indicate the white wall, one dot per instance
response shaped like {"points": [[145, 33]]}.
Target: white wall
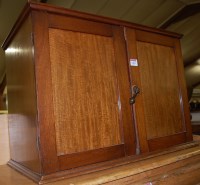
{"points": [[4, 140], [195, 117]]}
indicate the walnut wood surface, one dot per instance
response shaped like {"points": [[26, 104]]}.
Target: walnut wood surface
{"points": [[22, 108]]}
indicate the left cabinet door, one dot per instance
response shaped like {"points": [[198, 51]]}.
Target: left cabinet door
{"points": [[91, 117]]}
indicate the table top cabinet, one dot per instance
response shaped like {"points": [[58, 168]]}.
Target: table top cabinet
{"points": [[71, 81]]}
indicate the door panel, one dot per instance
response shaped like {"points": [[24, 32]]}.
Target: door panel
{"points": [[159, 115], [160, 90], [90, 93], [85, 91]]}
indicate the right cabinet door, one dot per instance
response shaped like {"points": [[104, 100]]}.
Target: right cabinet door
{"points": [[161, 108]]}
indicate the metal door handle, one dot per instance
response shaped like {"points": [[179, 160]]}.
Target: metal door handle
{"points": [[135, 91]]}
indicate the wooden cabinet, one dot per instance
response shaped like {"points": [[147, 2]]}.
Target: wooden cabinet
{"points": [[69, 87]]}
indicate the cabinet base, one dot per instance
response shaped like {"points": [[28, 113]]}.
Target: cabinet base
{"points": [[24, 170], [135, 167]]}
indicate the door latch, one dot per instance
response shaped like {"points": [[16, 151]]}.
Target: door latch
{"points": [[135, 92]]}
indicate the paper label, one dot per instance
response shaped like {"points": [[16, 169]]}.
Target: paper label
{"points": [[133, 62]]}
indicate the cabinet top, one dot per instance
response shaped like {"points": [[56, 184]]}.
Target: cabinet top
{"points": [[30, 6]]}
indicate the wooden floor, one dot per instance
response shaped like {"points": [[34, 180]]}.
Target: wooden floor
{"points": [[181, 166]]}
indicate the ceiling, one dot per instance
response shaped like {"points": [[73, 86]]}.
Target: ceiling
{"points": [[181, 16]]}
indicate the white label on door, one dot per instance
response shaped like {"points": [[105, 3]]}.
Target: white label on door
{"points": [[133, 62]]}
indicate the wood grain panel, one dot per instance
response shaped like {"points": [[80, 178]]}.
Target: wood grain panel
{"points": [[124, 89], [77, 24], [85, 91], [68, 12], [137, 169], [89, 157], [44, 93], [183, 90], [159, 90], [88, 169], [154, 38], [165, 142], [22, 107], [138, 110], [184, 172], [136, 172]]}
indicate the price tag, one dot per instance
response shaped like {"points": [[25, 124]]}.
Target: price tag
{"points": [[133, 62]]}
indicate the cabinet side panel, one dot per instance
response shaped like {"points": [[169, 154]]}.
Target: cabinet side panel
{"points": [[184, 97], [22, 99], [85, 91]]}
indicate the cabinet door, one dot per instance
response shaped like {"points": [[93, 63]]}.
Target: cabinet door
{"points": [[88, 92], [161, 107]]}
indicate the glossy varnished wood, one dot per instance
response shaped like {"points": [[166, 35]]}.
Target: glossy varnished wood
{"points": [[77, 24], [90, 157], [97, 81], [84, 90], [138, 109], [76, 172], [44, 93], [164, 142], [182, 172], [184, 161], [153, 38], [159, 110], [67, 12], [123, 79], [134, 169], [77, 91], [22, 108], [90, 90], [160, 92], [183, 91]]}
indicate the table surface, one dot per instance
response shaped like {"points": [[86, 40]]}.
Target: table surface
{"points": [[9, 176]]}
